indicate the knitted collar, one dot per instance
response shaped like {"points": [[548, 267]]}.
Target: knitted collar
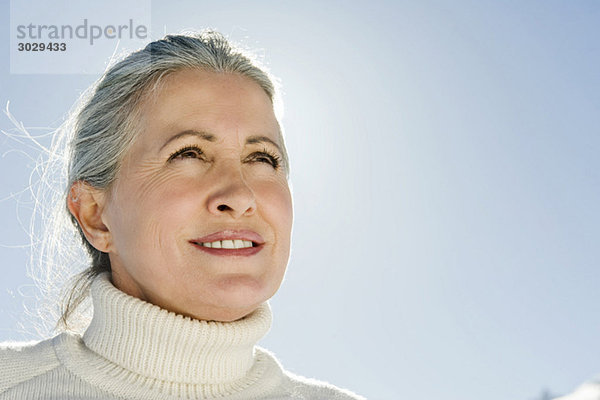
{"points": [[155, 343]]}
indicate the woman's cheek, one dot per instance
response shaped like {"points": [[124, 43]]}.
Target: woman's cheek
{"points": [[274, 195]]}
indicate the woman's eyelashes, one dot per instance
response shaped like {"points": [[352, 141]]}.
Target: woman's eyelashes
{"points": [[187, 152], [266, 156], [194, 152]]}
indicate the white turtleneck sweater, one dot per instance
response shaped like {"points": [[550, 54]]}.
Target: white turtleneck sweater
{"points": [[135, 350]]}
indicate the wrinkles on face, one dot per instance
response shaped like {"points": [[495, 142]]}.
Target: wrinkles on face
{"points": [[164, 199]]}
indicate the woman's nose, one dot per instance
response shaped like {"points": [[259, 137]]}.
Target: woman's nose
{"points": [[232, 196]]}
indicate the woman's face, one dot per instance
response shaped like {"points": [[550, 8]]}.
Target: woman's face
{"points": [[206, 167]]}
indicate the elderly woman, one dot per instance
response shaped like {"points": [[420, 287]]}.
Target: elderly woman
{"points": [[178, 185]]}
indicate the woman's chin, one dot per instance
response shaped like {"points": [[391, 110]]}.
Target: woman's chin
{"points": [[226, 312], [231, 299]]}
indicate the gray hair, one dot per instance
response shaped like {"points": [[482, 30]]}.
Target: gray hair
{"points": [[105, 125]]}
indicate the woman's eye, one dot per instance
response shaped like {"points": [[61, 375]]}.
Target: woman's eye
{"points": [[187, 152], [266, 157]]}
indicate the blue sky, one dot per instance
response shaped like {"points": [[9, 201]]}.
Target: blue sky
{"points": [[446, 186]]}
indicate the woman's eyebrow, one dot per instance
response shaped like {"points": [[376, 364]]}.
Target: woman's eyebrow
{"points": [[262, 139], [211, 138], [190, 132]]}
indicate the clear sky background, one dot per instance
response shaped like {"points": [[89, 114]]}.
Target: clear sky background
{"points": [[446, 181]]}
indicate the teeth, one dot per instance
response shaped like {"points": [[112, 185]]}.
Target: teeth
{"points": [[228, 244]]}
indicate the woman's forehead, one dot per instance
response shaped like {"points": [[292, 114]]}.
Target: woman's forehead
{"points": [[192, 87], [209, 101]]}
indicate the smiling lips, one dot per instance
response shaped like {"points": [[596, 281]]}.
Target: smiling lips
{"points": [[230, 243]]}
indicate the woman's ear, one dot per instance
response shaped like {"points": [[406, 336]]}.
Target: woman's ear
{"points": [[86, 203]]}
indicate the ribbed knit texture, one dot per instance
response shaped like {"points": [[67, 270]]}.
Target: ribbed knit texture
{"points": [[135, 350], [150, 341]]}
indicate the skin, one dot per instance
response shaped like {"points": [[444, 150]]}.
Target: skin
{"points": [[159, 203]]}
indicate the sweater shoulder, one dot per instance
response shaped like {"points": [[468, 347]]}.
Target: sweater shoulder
{"points": [[309, 388], [22, 361], [295, 386]]}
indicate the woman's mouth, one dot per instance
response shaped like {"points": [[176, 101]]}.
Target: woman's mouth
{"points": [[236, 247], [229, 244], [240, 242]]}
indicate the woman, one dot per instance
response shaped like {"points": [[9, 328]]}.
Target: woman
{"points": [[178, 186]]}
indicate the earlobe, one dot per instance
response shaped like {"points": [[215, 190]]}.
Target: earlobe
{"points": [[86, 204]]}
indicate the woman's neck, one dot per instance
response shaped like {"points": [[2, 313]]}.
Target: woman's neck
{"points": [[159, 344]]}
